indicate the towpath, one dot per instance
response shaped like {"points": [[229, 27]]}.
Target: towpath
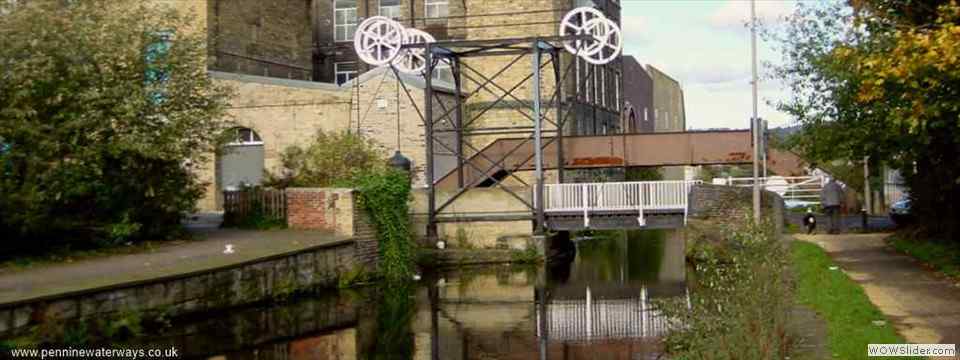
{"points": [[923, 306], [170, 260]]}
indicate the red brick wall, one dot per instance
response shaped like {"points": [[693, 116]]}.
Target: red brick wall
{"points": [[306, 209]]}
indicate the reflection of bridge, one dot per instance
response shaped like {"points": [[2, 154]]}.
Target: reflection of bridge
{"points": [[590, 319]]}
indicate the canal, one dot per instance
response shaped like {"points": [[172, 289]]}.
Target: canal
{"points": [[597, 306]]}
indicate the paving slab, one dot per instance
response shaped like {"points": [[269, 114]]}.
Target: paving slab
{"points": [[199, 255], [924, 306]]}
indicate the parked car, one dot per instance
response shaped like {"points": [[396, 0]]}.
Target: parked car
{"points": [[900, 212]]}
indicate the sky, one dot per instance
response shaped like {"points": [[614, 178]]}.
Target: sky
{"points": [[705, 44]]}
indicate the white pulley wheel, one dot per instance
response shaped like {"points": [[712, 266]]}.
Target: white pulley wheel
{"points": [[413, 60], [378, 40], [575, 23], [607, 42]]}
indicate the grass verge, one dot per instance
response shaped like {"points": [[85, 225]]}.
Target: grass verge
{"points": [[841, 302], [942, 257]]}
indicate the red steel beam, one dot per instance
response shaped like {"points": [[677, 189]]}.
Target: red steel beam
{"points": [[631, 150]]}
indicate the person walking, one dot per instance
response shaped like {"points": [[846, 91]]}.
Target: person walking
{"points": [[830, 198]]}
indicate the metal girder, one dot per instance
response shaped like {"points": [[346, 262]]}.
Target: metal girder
{"points": [[471, 171], [643, 149]]}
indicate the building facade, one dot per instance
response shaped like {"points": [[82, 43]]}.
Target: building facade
{"points": [[264, 38], [638, 97], [296, 72], [668, 108]]}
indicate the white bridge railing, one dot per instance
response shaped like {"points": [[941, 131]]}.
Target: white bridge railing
{"points": [[800, 190], [636, 196]]}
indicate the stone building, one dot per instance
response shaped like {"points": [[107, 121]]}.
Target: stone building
{"points": [[638, 97], [266, 38], [293, 64], [273, 114], [668, 108]]}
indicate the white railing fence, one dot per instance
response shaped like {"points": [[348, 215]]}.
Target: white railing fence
{"points": [[801, 189], [636, 196]]}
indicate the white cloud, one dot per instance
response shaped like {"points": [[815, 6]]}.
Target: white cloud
{"points": [[735, 14]]}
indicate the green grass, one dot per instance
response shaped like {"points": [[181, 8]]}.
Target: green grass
{"points": [[841, 302], [942, 257]]}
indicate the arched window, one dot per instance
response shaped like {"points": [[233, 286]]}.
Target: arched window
{"points": [[244, 136]]}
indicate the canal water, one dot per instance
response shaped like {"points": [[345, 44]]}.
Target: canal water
{"points": [[597, 306]]}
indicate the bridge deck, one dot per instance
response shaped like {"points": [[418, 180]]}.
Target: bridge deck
{"points": [[620, 150]]}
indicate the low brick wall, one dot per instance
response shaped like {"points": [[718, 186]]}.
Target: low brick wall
{"points": [[337, 210], [731, 204]]}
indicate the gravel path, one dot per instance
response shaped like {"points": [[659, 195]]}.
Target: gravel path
{"points": [[924, 306]]}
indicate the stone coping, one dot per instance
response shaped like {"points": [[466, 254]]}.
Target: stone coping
{"points": [[168, 263]]}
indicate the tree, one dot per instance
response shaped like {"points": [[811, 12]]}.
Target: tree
{"points": [[880, 79], [105, 111]]}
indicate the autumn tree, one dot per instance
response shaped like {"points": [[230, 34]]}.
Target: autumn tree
{"points": [[105, 110], [881, 78]]}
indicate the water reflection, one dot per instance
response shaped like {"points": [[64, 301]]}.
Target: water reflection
{"points": [[592, 303]]}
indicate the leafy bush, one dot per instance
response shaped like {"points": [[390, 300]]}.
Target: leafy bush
{"points": [[739, 304], [103, 117], [331, 159]]}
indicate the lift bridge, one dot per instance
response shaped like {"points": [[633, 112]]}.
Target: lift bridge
{"points": [[556, 206]]}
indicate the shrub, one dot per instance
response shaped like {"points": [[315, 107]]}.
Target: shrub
{"points": [[737, 308], [332, 159]]}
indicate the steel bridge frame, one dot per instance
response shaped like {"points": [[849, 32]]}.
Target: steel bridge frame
{"points": [[453, 52]]}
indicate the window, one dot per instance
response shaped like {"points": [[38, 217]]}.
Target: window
{"points": [[245, 136], [344, 71], [436, 8], [344, 19], [443, 72], [603, 86], [390, 8]]}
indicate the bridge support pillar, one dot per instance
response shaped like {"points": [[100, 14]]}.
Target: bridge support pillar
{"points": [[541, 243]]}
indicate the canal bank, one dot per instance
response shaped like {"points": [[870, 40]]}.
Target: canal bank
{"points": [[228, 268], [594, 302]]}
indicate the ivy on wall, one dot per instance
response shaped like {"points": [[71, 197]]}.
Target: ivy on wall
{"points": [[385, 196]]}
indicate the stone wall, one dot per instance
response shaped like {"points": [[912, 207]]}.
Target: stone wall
{"points": [[202, 291], [267, 38], [730, 204]]}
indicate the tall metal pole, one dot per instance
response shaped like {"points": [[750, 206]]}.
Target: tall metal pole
{"points": [[428, 129], [763, 150], [867, 195], [537, 141], [754, 119], [459, 120], [558, 103]]}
